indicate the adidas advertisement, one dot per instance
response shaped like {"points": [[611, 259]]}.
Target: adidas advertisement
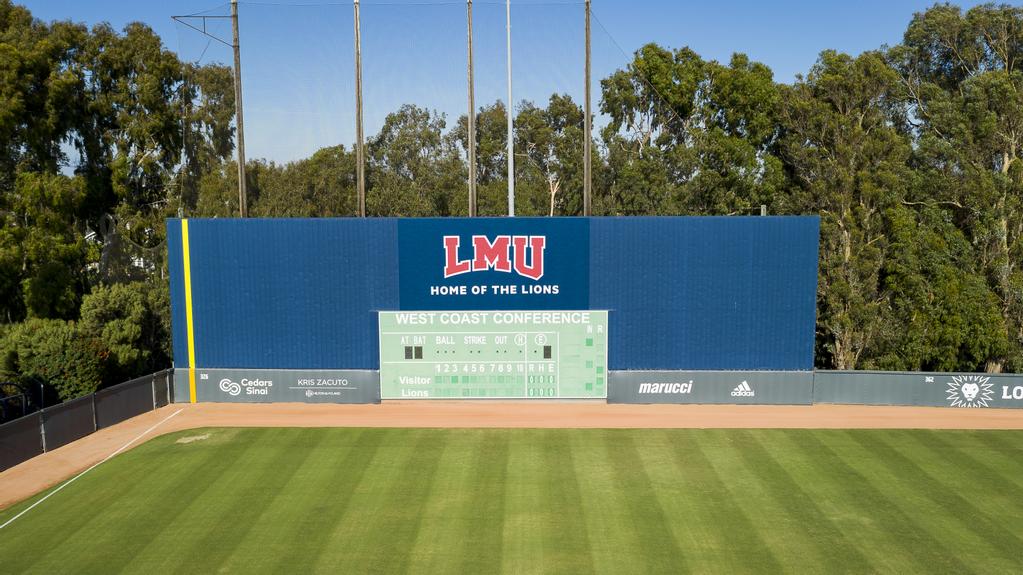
{"points": [[279, 385], [743, 390], [778, 387]]}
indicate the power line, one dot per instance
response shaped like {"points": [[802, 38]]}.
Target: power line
{"points": [[642, 79], [437, 3], [206, 12], [183, 21]]}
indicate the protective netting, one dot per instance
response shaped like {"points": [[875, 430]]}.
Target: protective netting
{"points": [[298, 67]]}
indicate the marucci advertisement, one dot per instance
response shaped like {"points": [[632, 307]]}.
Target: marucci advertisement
{"points": [[753, 387]]}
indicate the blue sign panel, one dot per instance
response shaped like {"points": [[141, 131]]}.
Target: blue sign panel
{"points": [[494, 263]]}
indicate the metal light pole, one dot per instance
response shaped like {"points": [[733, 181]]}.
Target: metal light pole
{"points": [[587, 127], [243, 208], [472, 122], [360, 159], [511, 137]]}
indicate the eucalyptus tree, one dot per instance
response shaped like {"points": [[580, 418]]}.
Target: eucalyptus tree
{"points": [[413, 169], [846, 156], [964, 95]]}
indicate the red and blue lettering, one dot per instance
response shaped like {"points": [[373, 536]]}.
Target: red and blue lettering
{"points": [[524, 254]]}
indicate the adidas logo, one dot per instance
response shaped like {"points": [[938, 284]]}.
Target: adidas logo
{"points": [[743, 390]]}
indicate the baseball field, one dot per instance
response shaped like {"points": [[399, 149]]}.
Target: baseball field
{"points": [[360, 500]]}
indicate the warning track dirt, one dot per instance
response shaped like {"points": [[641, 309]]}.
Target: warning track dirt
{"points": [[51, 468]]}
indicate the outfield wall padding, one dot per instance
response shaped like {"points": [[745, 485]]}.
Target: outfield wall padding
{"points": [[280, 385], [922, 389], [720, 387]]}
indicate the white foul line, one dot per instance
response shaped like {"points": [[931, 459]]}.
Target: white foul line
{"points": [[107, 458]]}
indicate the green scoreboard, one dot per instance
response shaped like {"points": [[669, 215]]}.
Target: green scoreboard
{"points": [[493, 354]]}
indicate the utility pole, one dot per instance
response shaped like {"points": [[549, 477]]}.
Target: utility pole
{"points": [[243, 208], [511, 137], [360, 158], [587, 128], [472, 123]]}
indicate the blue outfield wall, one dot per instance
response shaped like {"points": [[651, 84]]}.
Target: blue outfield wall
{"points": [[707, 293], [286, 294], [689, 293], [175, 267]]}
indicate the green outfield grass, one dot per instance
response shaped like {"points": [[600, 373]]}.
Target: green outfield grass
{"points": [[532, 501]]}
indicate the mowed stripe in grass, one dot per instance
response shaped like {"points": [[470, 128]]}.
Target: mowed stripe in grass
{"points": [[536, 501]]}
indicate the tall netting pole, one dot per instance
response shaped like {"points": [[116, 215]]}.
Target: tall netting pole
{"points": [[360, 158], [511, 137], [243, 208], [587, 127], [472, 122]]}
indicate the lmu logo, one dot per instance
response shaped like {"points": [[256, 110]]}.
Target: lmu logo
{"points": [[497, 255]]}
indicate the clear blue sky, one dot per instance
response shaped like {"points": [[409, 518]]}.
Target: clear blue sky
{"points": [[297, 54]]}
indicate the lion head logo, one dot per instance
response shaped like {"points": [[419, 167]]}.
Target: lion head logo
{"points": [[969, 391]]}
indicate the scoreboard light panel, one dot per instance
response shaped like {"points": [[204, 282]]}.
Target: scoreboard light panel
{"points": [[493, 354]]}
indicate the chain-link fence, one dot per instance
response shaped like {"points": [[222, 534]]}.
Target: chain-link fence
{"points": [[55, 426]]}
